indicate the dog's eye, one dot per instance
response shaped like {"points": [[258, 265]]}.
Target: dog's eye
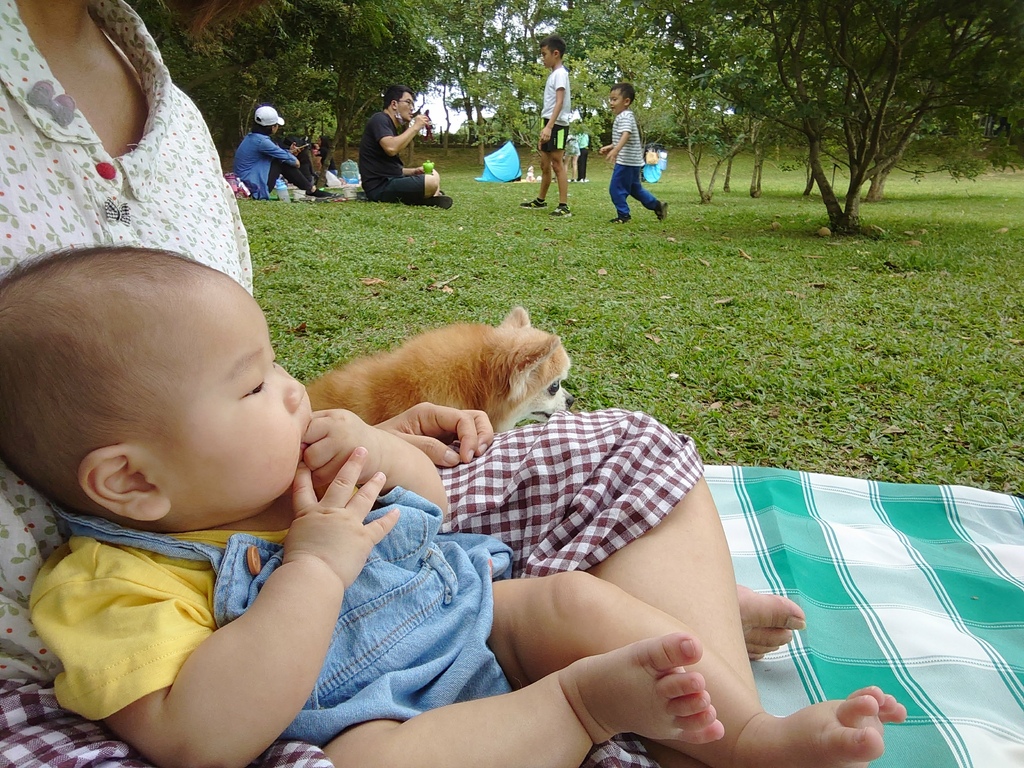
{"points": [[555, 386]]}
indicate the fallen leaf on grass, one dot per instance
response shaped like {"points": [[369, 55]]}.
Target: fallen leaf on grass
{"points": [[652, 337], [715, 405], [410, 240], [705, 262], [442, 285], [670, 239], [798, 295], [371, 280], [270, 268], [811, 256], [1018, 342], [602, 271], [1002, 230], [726, 300], [300, 329], [744, 255], [776, 225], [914, 242], [818, 285], [664, 297], [673, 375], [894, 430]]}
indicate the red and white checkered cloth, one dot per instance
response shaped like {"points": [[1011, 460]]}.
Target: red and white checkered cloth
{"points": [[564, 495]]}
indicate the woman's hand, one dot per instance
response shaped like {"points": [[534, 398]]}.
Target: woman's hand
{"points": [[432, 428], [330, 439]]}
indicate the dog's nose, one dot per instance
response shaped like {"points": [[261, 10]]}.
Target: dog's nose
{"points": [[569, 400]]}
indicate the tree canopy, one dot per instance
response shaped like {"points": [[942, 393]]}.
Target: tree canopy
{"points": [[863, 84]]}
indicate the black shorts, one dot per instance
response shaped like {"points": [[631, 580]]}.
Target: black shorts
{"points": [[400, 189], [556, 143]]}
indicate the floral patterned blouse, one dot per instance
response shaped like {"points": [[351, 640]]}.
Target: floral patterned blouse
{"points": [[59, 188]]}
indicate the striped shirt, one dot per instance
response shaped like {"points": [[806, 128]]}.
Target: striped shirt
{"points": [[631, 153]]}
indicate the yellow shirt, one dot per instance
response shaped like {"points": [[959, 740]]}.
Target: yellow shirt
{"points": [[123, 620]]}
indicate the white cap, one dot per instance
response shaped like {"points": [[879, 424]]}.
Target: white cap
{"points": [[267, 115]]}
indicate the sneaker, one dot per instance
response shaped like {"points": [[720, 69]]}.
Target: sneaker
{"points": [[535, 203], [561, 210], [661, 211], [439, 201], [583, 181], [319, 193], [621, 220]]}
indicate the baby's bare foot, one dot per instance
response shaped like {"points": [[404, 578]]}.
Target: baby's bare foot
{"points": [[643, 688], [833, 734], [768, 620]]}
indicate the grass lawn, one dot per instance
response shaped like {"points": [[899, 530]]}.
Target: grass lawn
{"points": [[897, 358]]}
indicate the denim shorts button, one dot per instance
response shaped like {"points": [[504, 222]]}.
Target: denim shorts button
{"points": [[252, 559]]}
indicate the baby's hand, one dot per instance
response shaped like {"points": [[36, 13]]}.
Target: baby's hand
{"points": [[330, 439], [331, 530]]}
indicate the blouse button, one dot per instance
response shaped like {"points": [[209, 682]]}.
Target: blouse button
{"points": [[106, 170]]}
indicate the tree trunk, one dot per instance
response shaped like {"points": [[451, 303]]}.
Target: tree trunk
{"points": [[841, 222], [728, 175], [876, 190], [447, 120], [810, 181], [755, 177]]}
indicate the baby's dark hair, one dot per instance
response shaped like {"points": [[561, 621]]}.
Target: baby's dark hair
{"points": [[84, 338], [554, 43], [626, 91]]}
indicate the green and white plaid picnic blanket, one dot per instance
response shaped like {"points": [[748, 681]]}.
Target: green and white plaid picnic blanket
{"points": [[916, 588]]}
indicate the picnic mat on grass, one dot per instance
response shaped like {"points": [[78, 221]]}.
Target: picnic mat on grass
{"points": [[916, 588]]}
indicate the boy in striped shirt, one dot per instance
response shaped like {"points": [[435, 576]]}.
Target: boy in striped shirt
{"points": [[626, 153]]}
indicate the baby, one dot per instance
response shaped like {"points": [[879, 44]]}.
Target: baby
{"points": [[233, 577]]}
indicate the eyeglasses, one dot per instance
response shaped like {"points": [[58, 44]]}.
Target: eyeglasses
{"points": [[410, 102]]}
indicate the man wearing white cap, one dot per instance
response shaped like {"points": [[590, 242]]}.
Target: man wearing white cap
{"points": [[259, 161]]}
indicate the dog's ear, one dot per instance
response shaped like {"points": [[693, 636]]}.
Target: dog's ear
{"points": [[517, 318], [525, 359]]}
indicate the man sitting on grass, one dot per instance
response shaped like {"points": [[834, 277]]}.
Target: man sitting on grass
{"points": [[384, 178]]}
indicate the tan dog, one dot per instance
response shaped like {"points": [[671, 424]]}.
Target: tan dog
{"points": [[512, 372]]}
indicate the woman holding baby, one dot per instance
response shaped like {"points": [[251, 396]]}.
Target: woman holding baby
{"points": [[96, 137]]}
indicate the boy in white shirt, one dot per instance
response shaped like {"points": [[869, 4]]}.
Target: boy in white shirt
{"points": [[553, 136], [626, 153]]}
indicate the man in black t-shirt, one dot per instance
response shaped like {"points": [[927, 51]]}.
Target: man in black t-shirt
{"points": [[383, 177]]}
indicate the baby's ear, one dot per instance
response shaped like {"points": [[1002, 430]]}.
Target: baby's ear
{"points": [[114, 478]]}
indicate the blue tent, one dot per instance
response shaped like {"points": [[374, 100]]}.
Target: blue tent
{"points": [[502, 164]]}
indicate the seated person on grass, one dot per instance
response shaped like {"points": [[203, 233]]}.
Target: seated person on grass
{"points": [[225, 582], [259, 161], [387, 134]]}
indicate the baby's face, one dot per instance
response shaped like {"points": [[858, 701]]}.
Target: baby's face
{"points": [[243, 418]]}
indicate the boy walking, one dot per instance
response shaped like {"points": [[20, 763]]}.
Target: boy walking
{"points": [[553, 136], [626, 153]]}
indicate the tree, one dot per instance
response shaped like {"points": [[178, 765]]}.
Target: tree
{"points": [[860, 75]]}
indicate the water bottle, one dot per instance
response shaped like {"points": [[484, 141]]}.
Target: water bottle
{"points": [[282, 190]]}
